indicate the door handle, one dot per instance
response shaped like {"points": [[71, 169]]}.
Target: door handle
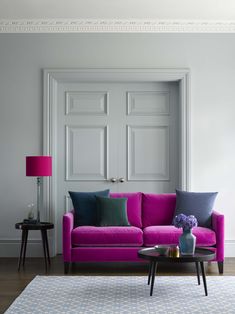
{"points": [[121, 180], [113, 180]]}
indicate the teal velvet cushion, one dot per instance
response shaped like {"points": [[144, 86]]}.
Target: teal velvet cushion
{"points": [[85, 208], [112, 211], [199, 204]]}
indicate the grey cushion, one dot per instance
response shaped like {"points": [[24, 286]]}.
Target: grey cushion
{"points": [[199, 204]]}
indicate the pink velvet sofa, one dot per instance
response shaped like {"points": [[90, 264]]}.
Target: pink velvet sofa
{"points": [[150, 217]]}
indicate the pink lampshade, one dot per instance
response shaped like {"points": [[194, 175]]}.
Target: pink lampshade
{"points": [[38, 166]]}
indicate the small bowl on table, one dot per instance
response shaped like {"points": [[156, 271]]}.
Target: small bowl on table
{"points": [[162, 249]]}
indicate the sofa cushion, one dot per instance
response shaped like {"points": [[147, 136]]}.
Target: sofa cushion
{"points": [[199, 204], [157, 209], [85, 209], [107, 236], [133, 207], [112, 211], [170, 235]]}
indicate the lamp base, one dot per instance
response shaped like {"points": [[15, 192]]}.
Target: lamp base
{"points": [[38, 198]]}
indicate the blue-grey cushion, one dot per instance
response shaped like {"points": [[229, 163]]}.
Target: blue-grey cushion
{"points": [[199, 204], [85, 208]]}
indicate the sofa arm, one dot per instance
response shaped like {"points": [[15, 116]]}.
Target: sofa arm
{"points": [[68, 221], [218, 227]]}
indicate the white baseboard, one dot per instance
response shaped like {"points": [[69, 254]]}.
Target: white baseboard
{"points": [[229, 248], [11, 248]]}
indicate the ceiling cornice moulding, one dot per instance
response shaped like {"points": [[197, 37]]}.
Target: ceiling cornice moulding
{"points": [[115, 26]]}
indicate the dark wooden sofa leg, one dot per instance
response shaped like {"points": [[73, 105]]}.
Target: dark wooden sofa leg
{"points": [[221, 267], [66, 267]]}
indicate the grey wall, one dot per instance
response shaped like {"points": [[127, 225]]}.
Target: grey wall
{"points": [[211, 60]]}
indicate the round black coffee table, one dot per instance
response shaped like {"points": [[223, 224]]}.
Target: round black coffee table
{"points": [[43, 227], [201, 255]]}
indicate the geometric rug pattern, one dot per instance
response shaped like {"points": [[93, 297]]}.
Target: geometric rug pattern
{"points": [[125, 295]]}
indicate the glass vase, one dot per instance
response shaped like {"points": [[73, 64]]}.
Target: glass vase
{"points": [[187, 242]]}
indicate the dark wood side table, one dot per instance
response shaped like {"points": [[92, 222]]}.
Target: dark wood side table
{"points": [[43, 227], [152, 255]]}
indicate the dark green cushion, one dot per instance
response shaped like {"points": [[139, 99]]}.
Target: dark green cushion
{"points": [[112, 211], [84, 204]]}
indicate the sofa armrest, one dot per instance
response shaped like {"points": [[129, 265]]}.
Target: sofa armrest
{"points": [[68, 222], [218, 227]]}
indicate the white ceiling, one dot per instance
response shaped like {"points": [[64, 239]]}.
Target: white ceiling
{"points": [[118, 9]]}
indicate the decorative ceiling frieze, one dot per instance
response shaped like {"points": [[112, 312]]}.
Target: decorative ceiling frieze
{"points": [[115, 26]]}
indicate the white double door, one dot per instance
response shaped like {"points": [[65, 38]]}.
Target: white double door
{"points": [[118, 136]]}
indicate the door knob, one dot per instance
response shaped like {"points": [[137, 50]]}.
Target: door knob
{"points": [[113, 180], [121, 180]]}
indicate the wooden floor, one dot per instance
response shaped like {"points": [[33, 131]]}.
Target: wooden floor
{"points": [[12, 282]]}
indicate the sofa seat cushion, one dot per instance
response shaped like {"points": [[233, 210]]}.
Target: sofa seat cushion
{"points": [[107, 236], [154, 235]]}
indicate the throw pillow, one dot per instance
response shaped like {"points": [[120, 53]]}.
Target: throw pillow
{"points": [[133, 207], [112, 211], [199, 204], [85, 208]]}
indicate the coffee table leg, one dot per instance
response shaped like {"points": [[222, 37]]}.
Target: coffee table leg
{"points": [[198, 275], [204, 277], [154, 267], [150, 271]]}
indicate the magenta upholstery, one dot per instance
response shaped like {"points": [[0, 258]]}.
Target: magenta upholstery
{"points": [[170, 235], [107, 236], [218, 227], [105, 254], [133, 207], [151, 218], [158, 209], [68, 225]]}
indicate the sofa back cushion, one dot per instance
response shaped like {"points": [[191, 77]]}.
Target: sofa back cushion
{"points": [[133, 207], [157, 209]]}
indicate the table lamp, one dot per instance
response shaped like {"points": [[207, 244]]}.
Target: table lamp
{"points": [[38, 166]]}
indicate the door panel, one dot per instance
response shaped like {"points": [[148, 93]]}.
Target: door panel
{"points": [[87, 103], [148, 162], [149, 133], [81, 164], [148, 103], [126, 131]]}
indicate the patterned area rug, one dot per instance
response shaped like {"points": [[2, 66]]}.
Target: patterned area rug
{"points": [[125, 294]]}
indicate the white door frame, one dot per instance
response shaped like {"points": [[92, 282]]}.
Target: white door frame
{"points": [[52, 77]]}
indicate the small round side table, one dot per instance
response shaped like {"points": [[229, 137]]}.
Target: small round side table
{"points": [[43, 227], [201, 255]]}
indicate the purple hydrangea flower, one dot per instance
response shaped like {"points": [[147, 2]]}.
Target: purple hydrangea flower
{"points": [[185, 222]]}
